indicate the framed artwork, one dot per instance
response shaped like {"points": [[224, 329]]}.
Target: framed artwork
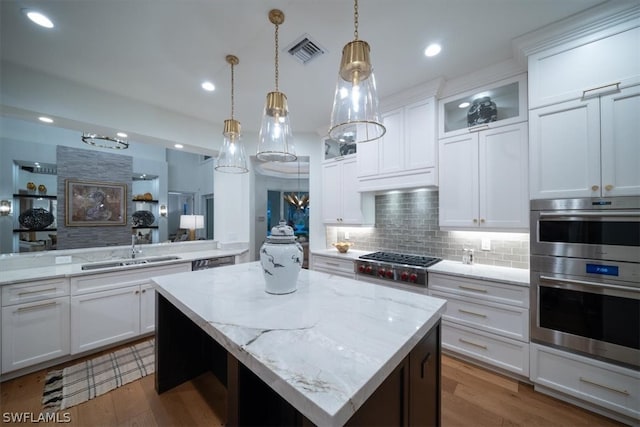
{"points": [[90, 204]]}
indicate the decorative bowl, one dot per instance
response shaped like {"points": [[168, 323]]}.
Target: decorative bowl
{"points": [[142, 218], [342, 247], [36, 219]]}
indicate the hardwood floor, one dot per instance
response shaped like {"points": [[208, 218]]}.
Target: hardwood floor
{"points": [[471, 396]]}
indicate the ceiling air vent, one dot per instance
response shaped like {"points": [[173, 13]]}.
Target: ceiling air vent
{"points": [[304, 49]]}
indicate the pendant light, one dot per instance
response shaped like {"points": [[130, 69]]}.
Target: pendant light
{"points": [[355, 116], [232, 158], [299, 202], [275, 141]]}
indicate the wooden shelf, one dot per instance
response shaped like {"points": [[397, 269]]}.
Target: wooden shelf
{"points": [[26, 230], [141, 227], [144, 201]]}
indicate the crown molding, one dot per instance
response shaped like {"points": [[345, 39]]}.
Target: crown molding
{"points": [[482, 77]]}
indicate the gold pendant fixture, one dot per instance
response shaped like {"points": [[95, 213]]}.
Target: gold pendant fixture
{"points": [[232, 158], [275, 140], [300, 203], [355, 116]]}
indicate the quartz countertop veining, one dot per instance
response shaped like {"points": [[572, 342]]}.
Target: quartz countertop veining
{"points": [[515, 276], [324, 348]]}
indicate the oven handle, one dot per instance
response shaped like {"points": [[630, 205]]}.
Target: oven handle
{"points": [[602, 214], [585, 283]]}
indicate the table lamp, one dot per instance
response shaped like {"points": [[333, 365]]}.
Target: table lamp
{"points": [[192, 223]]}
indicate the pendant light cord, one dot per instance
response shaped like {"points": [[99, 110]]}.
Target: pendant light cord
{"points": [[355, 19], [232, 90], [277, 72]]}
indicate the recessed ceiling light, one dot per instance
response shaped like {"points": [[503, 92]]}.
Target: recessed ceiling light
{"points": [[178, 145], [38, 18], [208, 86], [122, 134], [45, 119], [433, 49], [464, 105]]}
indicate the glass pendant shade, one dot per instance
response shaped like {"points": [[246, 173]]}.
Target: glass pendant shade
{"points": [[355, 116], [275, 143], [232, 158]]}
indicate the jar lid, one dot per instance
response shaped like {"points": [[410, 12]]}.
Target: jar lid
{"points": [[281, 233]]}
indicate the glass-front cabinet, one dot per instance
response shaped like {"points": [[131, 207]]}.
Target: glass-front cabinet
{"points": [[498, 104]]}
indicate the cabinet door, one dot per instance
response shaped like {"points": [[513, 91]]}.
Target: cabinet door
{"points": [[620, 125], [331, 192], [564, 150], [34, 332], [458, 177], [106, 317], [351, 206], [367, 155], [503, 169], [392, 143], [147, 308], [424, 381], [420, 135]]}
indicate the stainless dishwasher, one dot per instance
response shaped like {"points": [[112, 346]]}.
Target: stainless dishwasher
{"points": [[203, 264]]}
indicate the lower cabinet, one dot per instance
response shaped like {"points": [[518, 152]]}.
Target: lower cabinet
{"points": [[332, 265], [108, 308], [608, 386], [35, 322]]}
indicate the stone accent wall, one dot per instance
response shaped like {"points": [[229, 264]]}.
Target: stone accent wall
{"points": [[408, 223], [92, 165]]}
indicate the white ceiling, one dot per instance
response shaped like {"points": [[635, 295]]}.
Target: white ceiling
{"points": [[159, 51]]}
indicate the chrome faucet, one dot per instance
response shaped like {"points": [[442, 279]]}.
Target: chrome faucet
{"points": [[134, 238]]}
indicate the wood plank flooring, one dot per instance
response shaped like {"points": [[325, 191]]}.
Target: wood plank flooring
{"points": [[471, 396]]}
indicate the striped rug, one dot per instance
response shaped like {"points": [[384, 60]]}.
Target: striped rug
{"points": [[86, 380]]}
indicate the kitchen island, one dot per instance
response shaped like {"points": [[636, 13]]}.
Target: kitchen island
{"points": [[334, 352]]}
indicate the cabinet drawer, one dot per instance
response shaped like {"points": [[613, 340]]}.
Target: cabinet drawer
{"points": [[504, 353], [481, 289], [606, 385], [508, 321], [34, 291], [341, 267], [99, 282]]}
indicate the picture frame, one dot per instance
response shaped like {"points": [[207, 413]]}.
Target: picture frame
{"points": [[92, 203]]}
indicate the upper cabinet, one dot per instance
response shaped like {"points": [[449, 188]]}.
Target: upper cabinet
{"points": [[406, 156], [584, 122], [342, 204], [500, 104]]}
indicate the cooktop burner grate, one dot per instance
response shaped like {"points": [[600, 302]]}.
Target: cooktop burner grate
{"points": [[395, 258]]}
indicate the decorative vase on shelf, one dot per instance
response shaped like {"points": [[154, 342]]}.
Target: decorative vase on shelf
{"points": [[42, 189], [31, 187], [483, 110], [281, 259]]}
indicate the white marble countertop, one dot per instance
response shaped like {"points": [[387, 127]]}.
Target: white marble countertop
{"points": [[351, 254], [514, 276], [11, 276], [324, 348]]}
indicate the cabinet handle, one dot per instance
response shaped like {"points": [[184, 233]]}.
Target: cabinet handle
{"points": [[608, 187], [484, 316], [37, 307], [472, 289], [477, 128], [333, 264], [588, 381], [462, 340], [424, 363], [481, 220], [35, 292], [144, 290], [475, 220], [136, 292], [594, 188], [600, 90]]}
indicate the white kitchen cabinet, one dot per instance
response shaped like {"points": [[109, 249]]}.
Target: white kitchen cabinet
{"points": [[586, 147], [585, 66], [485, 320], [405, 157], [332, 265], [341, 201], [35, 323], [107, 308], [596, 383], [483, 179]]}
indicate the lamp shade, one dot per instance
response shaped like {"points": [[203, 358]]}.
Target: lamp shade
{"points": [[232, 158], [191, 222], [275, 140]]}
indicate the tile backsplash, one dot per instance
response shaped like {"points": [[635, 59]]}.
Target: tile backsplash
{"points": [[408, 223]]}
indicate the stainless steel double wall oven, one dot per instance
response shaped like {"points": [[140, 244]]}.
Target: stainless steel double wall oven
{"points": [[585, 276]]}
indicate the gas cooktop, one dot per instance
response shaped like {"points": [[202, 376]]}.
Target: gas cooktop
{"points": [[403, 259]]}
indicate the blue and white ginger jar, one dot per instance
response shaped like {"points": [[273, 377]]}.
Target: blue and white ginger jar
{"points": [[281, 259]]}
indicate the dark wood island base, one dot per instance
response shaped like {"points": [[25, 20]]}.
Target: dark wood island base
{"points": [[409, 396]]}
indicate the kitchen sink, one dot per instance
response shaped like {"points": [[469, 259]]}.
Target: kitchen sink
{"points": [[127, 262]]}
